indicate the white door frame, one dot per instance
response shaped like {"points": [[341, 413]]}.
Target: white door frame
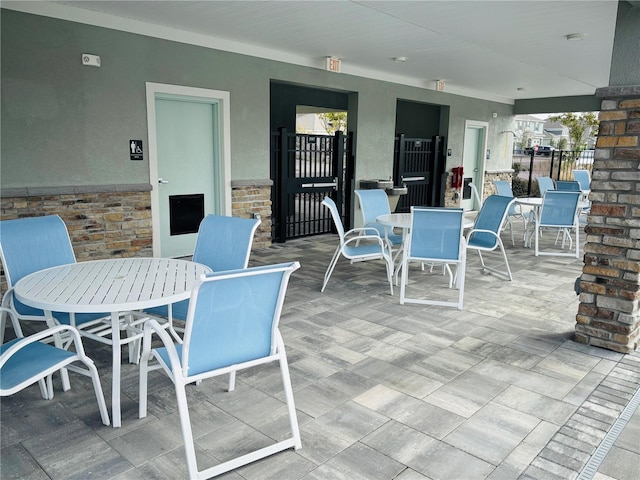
{"points": [[478, 125], [177, 92]]}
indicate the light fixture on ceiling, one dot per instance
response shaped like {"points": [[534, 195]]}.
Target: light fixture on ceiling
{"points": [[521, 89], [400, 59], [574, 36]]}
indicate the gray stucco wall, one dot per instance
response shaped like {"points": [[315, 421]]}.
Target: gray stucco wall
{"points": [[68, 124], [625, 58]]}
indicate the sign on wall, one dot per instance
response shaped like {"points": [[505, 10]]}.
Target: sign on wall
{"points": [[135, 149]]}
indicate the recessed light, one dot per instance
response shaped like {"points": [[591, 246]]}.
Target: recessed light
{"points": [[574, 36], [399, 59]]}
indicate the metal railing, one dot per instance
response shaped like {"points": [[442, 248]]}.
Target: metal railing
{"points": [[558, 165]]}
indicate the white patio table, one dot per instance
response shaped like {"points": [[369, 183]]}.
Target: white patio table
{"points": [[536, 204], [117, 286]]}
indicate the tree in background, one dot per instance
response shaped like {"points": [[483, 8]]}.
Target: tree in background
{"points": [[523, 138], [580, 126], [334, 121], [562, 143]]}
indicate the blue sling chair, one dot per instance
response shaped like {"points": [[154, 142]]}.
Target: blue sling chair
{"points": [[374, 203], [223, 243], [559, 211], [357, 245], [231, 324], [515, 211], [28, 245], [435, 238], [485, 234], [27, 360]]}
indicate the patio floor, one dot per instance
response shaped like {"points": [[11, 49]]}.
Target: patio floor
{"points": [[498, 391]]}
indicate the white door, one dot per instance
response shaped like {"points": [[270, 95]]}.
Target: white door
{"points": [[473, 155], [188, 163]]}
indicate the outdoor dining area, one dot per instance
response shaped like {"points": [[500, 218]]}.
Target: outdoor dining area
{"points": [[331, 356]]}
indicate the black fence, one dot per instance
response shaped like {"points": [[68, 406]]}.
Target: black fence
{"points": [[558, 164]]}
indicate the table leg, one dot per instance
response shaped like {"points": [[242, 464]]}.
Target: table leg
{"points": [[117, 358]]}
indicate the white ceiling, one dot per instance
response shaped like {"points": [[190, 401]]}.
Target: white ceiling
{"points": [[485, 49]]}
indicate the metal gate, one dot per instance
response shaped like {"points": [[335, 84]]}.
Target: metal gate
{"points": [[419, 164], [306, 168]]}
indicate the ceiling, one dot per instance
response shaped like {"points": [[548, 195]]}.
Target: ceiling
{"points": [[495, 50]]}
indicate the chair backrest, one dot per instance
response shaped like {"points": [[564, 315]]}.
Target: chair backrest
{"points": [[559, 208], [583, 177], [233, 317], [373, 203], [224, 243], [503, 188], [544, 184], [31, 244], [436, 233], [491, 217], [567, 185], [331, 205]]}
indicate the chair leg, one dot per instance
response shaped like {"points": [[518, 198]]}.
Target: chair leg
{"points": [[506, 262], [288, 395], [330, 268], [58, 341], [97, 388], [142, 388], [510, 223], [185, 425], [481, 259], [3, 325], [389, 263], [404, 278], [447, 268], [232, 381]]}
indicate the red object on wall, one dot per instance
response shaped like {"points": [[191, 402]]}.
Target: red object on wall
{"points": [[456, 180]]}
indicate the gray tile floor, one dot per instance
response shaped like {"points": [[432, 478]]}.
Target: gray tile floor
{"points": [[499, 391]]}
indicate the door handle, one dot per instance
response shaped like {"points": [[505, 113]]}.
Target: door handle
{"points": [[333, 184], [161, 181], [411, 179]]}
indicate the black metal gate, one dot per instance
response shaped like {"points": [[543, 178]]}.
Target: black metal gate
{"points": [[306, 168], [419, 164]]}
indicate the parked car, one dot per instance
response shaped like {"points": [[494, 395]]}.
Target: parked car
{"points": [[545, 150]]}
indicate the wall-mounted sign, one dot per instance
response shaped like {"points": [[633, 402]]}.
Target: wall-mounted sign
{"points": [[135, 149], [333, 64]]}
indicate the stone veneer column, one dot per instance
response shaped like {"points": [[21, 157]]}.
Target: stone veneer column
{"points": [[609, 314], [250, 198]]}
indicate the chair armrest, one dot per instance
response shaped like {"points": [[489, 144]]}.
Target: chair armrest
{"points": [[359, 238], [14, 319], [362, 231], [152, 326], [386, 247], [49, 332]]}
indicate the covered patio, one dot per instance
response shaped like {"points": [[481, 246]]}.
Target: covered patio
{"points": [[383, 391]]}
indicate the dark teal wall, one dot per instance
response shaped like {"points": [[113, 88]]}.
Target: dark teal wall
{"points": [[418, 120], [285, 98]]}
